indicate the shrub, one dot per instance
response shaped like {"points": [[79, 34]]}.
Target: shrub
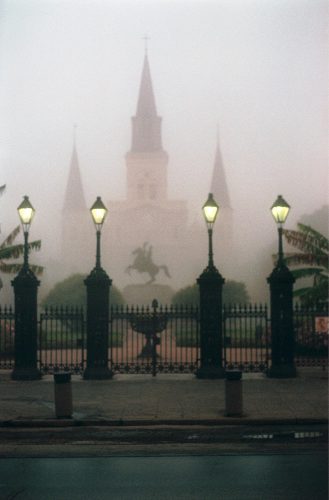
{"points": [[234, 292], [72, 292]]}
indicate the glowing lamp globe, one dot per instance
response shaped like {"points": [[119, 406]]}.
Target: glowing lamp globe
{"points": [[98, 212], [26, 213], [280, 210], [210, 210]]}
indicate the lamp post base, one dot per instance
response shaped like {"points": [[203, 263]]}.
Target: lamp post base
{"points": [[26, 374], [210, 372], [97, 373], [282, 371]]}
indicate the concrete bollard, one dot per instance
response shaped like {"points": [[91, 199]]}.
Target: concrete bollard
{"points": [[233, 393], [63, 395]]}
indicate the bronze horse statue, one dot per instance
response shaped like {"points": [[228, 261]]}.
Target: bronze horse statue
{"points": [[143, 263]]}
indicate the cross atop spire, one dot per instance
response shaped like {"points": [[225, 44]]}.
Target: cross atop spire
{"points": [[75, 126], [146, 38]]}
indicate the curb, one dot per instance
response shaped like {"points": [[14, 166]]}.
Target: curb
{"points": [[228, 421]]}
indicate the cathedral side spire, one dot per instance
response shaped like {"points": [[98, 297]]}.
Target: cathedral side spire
{"points": [[74, 198], [218, 182], [146, 125]]}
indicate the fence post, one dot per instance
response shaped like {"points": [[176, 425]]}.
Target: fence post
{"points": [[98, 294], [211, 326], [281, 283], [26, 326]]}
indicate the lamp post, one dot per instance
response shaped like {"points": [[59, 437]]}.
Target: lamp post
{"points": [[281, 283], [25, 290], [210, 289], [98, 295]]}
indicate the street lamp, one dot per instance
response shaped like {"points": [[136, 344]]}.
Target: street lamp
{"points": [[98, 212], [281, 283], [26, 323], [280, 210], [210, 211], [98, 297], [210, 289], [26, 213]]}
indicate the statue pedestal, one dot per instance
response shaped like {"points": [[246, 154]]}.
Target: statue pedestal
{"points": [[142, 295]]}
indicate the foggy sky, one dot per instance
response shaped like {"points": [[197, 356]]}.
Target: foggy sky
{"points": [[258, 69]]}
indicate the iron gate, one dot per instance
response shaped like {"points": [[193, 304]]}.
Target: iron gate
{"points": [[246, 337], [156, 339], [62, 340]]}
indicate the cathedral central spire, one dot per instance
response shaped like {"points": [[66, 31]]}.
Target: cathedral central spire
{"points": [[146, 102], [146, 125]]}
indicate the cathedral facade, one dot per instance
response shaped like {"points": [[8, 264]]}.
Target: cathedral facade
{"points": [[146, 217]]}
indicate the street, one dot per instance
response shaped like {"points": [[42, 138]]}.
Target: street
{"points": [[246, 476]]}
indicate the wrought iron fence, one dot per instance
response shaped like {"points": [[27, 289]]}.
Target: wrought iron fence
{"points": [[246, 337], [62, 339], [311, 327], [7, 337], [166, 339], [150, 340]]}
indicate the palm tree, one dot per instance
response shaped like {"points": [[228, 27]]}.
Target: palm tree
{"points": [[311, 262], [9, 251]]}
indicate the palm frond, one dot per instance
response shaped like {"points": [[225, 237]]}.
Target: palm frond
{"points": [[35, 245], [15, 268], [38, 270], [306, 272], [323, 241], [15, 251], [10, 268], [307, 240], [302, 291], [10, 238], [297, 259], [11, 252]]}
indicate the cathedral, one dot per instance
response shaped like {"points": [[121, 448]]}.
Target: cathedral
{"points": [[147, 218]]}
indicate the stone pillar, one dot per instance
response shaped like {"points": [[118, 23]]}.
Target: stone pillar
{"points": [[211, 326], [281, 283], [98, 294], [26, 326]]}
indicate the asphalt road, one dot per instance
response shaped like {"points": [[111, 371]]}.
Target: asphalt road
{"points": [[262, 477], [173, 462]]}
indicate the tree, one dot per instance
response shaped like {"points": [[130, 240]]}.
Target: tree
{"points": [[311, 262], [234, 292], [10, 251], [72, 292]]}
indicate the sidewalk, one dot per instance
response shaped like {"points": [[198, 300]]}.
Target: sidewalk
{"points": [[166, 400]]}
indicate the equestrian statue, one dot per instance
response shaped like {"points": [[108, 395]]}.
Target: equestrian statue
{"points": [[143, 263]]}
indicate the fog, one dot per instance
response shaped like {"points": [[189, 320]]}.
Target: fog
{"points": [[257, 71]]}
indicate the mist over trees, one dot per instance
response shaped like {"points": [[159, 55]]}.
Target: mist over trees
{"points": [[72, 292], [233, 293], [318, 220]]}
